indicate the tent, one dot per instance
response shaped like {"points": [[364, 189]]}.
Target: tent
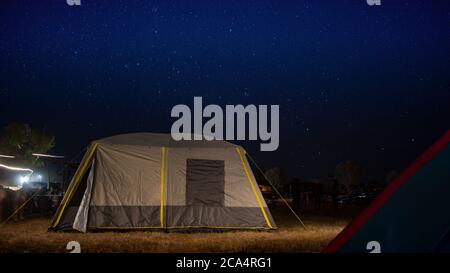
{"points": [[411, 215], [150, 181]]}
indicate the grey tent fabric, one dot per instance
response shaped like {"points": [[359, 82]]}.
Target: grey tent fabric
{"points": [[150, 181], [160, 140], [80, 222]]}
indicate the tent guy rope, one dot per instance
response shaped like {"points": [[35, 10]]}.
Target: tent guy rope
{"points": [[275, 189]]}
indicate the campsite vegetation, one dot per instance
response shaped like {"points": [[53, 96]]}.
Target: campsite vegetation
{"points": [[32, 235]]}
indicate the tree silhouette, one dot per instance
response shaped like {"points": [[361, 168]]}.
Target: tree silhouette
{"points": [[391, 175], [276, 176], [21, 141], [348, 173]]}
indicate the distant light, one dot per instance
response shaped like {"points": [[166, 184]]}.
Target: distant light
{"points": [[7, 156], [13, 188], [16, 168], [39, 177], [24, 179], [45, 155]]}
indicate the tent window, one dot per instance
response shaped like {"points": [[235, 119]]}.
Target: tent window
{"points": [[205, 182]]}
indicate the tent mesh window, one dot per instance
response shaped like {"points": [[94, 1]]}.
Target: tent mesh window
{"points": [[205, 182]]}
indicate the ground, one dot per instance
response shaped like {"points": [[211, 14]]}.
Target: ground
{"points": [[31, 236]]}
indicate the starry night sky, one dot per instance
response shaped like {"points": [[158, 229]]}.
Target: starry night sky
{"points": [[353, 82]]}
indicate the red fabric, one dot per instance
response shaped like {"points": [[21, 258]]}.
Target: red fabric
{"points": [[359, 222]]}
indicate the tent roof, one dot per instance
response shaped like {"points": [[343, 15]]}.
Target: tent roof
{"points": [[159, 140]]}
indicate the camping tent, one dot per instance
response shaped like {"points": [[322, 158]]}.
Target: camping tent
{"points": [[411, 215], [150, 181]]}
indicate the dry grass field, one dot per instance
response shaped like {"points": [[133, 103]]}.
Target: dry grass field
{"points": [[32, 236]]}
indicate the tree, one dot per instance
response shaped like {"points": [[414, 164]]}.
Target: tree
{"points": [[21, 141], [348, 173], [276, 176], [390, 176]]}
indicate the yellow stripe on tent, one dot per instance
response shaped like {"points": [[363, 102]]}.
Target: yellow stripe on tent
{"points": [[253, 187], [161, 212], [73, 186]]}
